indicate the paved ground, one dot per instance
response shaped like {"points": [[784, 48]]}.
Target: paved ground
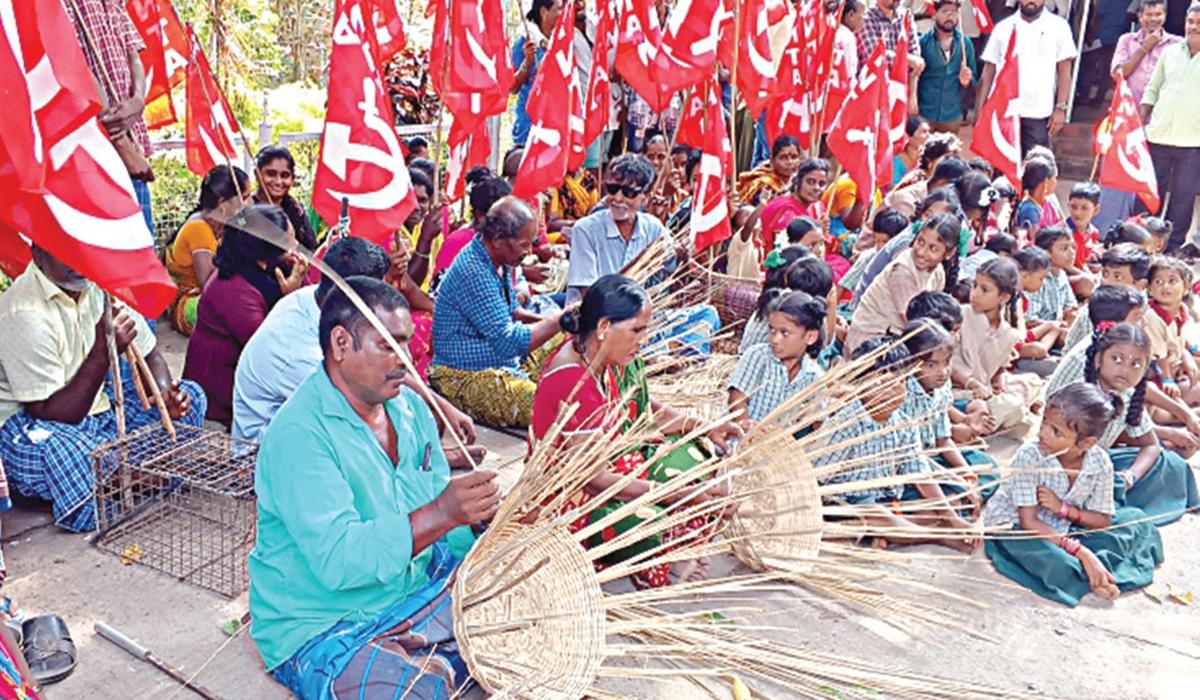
{"points": [[1134, 648]]}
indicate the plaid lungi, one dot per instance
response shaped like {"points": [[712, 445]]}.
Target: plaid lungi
{"points": [[407, 651], [49, 460]]}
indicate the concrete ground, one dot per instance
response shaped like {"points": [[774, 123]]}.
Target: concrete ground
{"points": [[1131, 649]]}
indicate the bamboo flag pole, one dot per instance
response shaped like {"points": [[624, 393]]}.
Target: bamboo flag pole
{"points": [[733, 95], [440, 146], [114, 365], [819, 117]]}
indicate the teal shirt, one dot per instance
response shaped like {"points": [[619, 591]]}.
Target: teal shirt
{"points": [[334, 539]]}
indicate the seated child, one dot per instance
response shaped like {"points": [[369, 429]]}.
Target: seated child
{"points": [[1061, 489], [1055, 301], [1082, 208], [930, 399], [874, 439], [1000, 245], [804, 231], [1116, 360], [768, 374], [1038, 183], [795, 269], [1052, 210], [1034, 266], [989, 339], [1160, 231], [930, 264], [973, 420], [941, 201], [887, 224], [1168, 326], [1130, 231], [1124, 264]]}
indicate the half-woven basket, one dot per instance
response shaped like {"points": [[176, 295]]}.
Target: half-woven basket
{"points": [[530, 622], [778, 523]]}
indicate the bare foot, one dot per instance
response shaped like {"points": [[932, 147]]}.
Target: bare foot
{"points": [[691, 571], [1108, 590], [964, 545], [878, 543], [458, 459]]}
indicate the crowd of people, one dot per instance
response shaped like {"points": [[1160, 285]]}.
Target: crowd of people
{"points": [[967, 308]]}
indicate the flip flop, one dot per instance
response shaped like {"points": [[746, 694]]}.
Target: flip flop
{"points": [[48, 648]]}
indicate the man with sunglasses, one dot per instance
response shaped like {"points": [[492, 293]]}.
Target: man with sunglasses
{"points": [[608, 240]]}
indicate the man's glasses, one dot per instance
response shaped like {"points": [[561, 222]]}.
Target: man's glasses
{"points": [[629, 191]]}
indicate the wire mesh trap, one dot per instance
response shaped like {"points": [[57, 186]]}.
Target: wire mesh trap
{"points": [[185, 507]]}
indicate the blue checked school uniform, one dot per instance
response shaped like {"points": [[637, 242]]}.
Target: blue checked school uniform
{"points": [[755, 331], [50, 460], [1130, 549], [1168, 488], [764, 380], [933, 406], [877, 451], [1050, 301]]}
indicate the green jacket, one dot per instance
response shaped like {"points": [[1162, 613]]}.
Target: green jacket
{"points": [[939, 96]]}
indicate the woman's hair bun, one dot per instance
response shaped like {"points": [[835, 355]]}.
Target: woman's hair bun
{"points": [[570, 320]]}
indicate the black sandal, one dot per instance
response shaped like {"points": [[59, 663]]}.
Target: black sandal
{"points": [[48, 648]]}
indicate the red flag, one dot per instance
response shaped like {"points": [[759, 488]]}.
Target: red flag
{"points": [[637, 49], [840, 82], [710, 205], [146, 19], [361, 159], [389, 29], [897, 89], [687, 53], [211, 127], [480, 74], [545, 162], [755, 69], [690, 131], [466, 151], [790, 112], [1127, 166], [437, 47], [85, 212], [983, 18], [856, 135], [598, 110], [998, 127]]}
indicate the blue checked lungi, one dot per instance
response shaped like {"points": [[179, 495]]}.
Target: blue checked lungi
{"points": [[49, 460], [407, 651]]}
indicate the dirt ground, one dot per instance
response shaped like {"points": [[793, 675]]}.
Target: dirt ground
{"points": [[1131, 649]]}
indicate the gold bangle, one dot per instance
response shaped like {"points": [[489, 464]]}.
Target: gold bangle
{"points": [[419, 254]]}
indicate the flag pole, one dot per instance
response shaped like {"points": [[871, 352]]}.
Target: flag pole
{"points": [[733, 95], [208, 98], [437, 155]]}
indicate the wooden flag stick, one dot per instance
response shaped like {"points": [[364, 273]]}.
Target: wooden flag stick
{"points": [[733, 95], [114, 365], [159, 403], [131, 358]]}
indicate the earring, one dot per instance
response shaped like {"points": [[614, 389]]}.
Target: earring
{"points": [[600, 337]]}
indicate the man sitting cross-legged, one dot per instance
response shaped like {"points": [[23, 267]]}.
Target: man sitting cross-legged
{"points": [[360, 525], [285, 350], [54, 398]]}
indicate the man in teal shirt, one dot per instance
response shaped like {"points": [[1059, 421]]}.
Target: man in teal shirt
{"points": [[947, 73], [360, 525]]}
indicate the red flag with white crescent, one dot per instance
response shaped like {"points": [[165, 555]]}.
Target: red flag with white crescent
{"points": [[690, 131], [983, 18], [687, 52], [84, 212], [855, 139], [551, 113], [755, 67], [598, 107], [148, 22], [637, 49], [1127, 166], [466, 151], [389, 29], [211, 128], [361, 159], [897, 89], [997, 136], [480, 72], [791, 110], [710, 204]]}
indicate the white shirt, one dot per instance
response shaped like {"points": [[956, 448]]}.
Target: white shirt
{"points": [[1041, 44], [281, 354]]}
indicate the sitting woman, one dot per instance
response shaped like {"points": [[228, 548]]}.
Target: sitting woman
{"points": [[252, 275], [917, 130], [804, 199], [275, 170], [599, 369], [772, 177], [189, 256]]}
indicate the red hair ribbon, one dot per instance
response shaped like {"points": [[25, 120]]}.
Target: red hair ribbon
{"points": [[1103, 326]]}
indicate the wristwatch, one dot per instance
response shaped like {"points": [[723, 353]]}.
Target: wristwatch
{"points": [[1061, 105]]}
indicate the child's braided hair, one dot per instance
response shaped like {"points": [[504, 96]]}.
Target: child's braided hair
{"points": [[1106, 335], [1007, 277]]}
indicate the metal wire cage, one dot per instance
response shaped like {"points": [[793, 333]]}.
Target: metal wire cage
{"points": [[185, 507]]}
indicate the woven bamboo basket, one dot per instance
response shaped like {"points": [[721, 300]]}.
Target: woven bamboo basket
{"points": [[530, 622], [778, 527]]}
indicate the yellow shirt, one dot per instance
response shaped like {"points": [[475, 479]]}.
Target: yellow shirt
{"points": [[842, 193], [435, 247], [195, 236], [45, 335]]}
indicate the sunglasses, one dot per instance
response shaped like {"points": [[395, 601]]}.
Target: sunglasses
{"points": [[629, 191]]}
